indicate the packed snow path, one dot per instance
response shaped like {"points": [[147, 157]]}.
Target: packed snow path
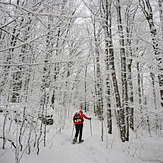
{"points": [[59, 148]]}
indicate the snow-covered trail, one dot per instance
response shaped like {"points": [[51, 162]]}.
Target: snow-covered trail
{"points": [[59, 148]]}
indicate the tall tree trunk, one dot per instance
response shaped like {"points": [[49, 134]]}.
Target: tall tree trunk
{"points": [[46, 79], [99, 87], [95, 85], [147, 116], [106, 9], [160, 2], [129, 17], [17, 82], [131, 97], [109, 62], [85, 89], [147, 10], [99, 90], [17, 75], [140, 94], [123, 115]]}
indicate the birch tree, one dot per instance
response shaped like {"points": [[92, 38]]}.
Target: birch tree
{"points": [[123, 112], [109, 61], [148, 13]]}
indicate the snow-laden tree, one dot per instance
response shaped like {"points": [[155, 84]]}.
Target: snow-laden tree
{"points": [[104, 56]]}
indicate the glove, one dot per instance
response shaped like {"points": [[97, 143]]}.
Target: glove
{"points": [[89, 118]]}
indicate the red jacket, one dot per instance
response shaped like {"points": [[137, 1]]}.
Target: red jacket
{"points": [[82, 118]]}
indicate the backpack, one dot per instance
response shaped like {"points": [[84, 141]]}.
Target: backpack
{"points": [[77, 117]]}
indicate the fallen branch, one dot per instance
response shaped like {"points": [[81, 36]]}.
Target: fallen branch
{"points": [[9, 141]]}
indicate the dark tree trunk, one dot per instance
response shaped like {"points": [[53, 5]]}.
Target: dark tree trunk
{"points": [[123, 114], [147, 10]]}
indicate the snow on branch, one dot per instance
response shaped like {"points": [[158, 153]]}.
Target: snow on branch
{"points": [[9, 141]]}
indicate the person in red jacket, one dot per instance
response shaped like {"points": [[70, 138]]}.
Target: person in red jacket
{"points": [[79, 120]]}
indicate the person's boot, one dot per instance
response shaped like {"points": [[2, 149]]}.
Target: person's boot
{"points": [[74, 141], [81, 141]]}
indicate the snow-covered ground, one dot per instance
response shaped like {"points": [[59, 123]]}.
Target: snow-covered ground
{"points": [[59, 147]]}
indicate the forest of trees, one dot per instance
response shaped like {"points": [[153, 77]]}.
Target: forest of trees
{"points": [[102, 56]]}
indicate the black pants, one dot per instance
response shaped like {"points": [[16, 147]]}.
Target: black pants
{"points": [[79, 130]]}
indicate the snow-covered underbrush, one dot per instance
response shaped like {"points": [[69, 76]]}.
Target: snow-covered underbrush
{"points": [[21, 142]]}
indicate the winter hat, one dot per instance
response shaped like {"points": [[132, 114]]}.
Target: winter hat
{"points": [[81, 111]]}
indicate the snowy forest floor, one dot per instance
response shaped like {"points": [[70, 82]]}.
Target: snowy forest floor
{"points": [[59, 147]]}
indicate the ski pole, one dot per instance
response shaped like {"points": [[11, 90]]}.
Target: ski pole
{"points": [[91, 127], [72, 130]]}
